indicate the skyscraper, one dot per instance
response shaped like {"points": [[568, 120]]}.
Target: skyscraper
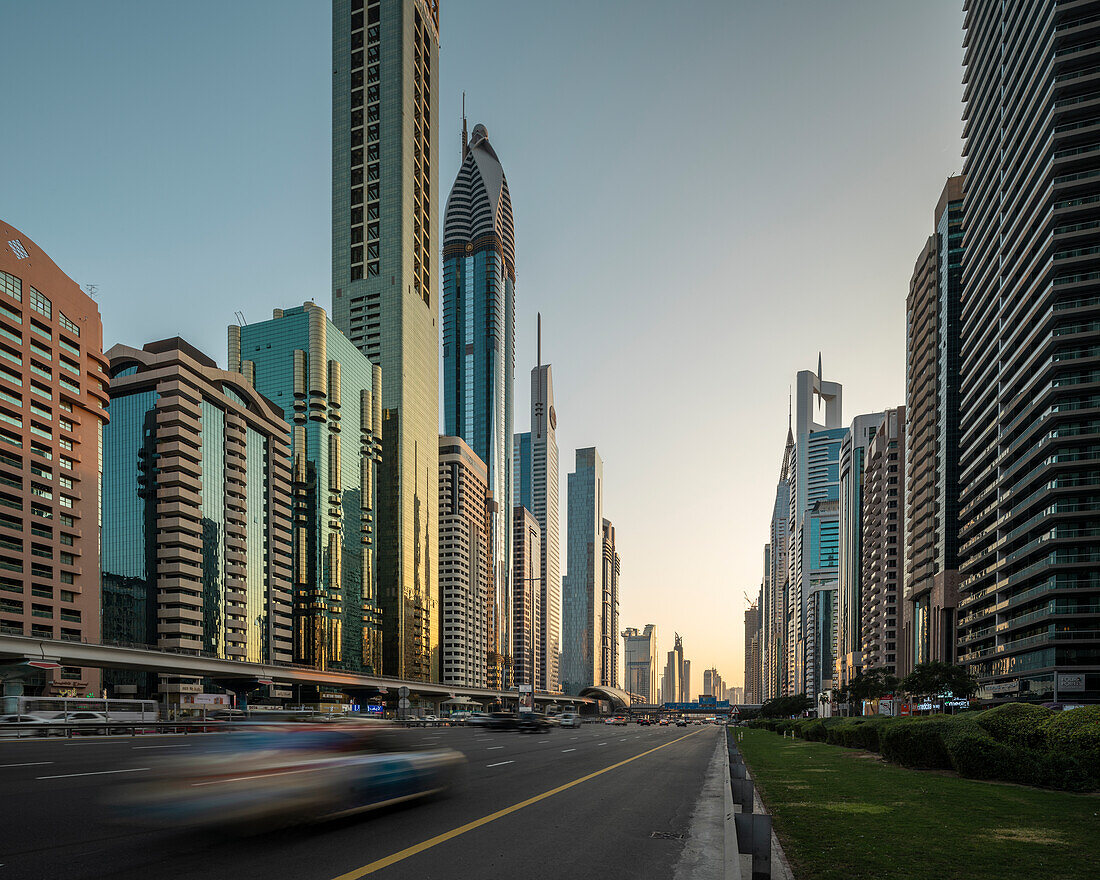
{"points": [[609, 633], [1029, 459], [932, 437], [849, 595], [526, 591], [753, 665], [536, 476], [814, 553], [640, 662], [674, 671], [385, 171], [328, 392], [583, 591], [53, 405], [775, 610], [464, 563], [883, 509], [479, 337], [196, 512]]}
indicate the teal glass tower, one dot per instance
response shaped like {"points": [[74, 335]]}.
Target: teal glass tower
{"points": [[479, 339], [328, 393], [385, 251]]}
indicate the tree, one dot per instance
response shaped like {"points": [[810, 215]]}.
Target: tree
{"points": [[785, 707], [869, 684], [936, 678]]}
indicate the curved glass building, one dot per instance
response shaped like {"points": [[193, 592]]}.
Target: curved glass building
{"points": [[479, 277]]}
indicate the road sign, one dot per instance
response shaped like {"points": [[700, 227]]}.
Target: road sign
{"points": [[43, 664], [403, 703], [402, 692]]}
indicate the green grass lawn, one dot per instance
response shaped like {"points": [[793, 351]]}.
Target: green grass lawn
{"points": [[845, 814]]}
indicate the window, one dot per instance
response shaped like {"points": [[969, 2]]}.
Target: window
{"points": [[41, 303], [70, 672], [67, 558], [66, 425], [65, 444], [66, 577], [68, 596], [12, 286], [66, 540], [12, 313], [65, 462], [43, 351], [66, 501], [64, 482], [17, 248], [67, 520], [68, 325]]}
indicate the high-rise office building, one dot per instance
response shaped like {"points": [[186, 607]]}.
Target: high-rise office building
{"points": [[327, 391], [1029, 458], [814, 531], [883, 510], [849, 595], [53, 398], [754, 684], [465, 564], [609, 637], [932, 438], [526, 592], [582, 587], [674, 672], [536, 475], [686, 695], [713, 684], [776, 608], [196, 511], [385, 171], [640, 663], [479, 340]]}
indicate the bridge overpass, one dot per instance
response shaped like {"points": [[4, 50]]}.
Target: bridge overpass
{"points": [[23, 658]]}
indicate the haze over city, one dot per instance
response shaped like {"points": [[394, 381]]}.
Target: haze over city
{"points": [[704, 200]]}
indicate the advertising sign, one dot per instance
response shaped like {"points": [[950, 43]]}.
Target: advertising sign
{"points": [[885, 707], [1071, 681], [903, 709], [526, 698], [372, 709], [1004, 687], [204, 700]]}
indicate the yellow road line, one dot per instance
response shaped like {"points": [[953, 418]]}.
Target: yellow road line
{"points": [[492, 817]]}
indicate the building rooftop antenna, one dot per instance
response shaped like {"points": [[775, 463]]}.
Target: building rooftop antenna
{"points": [[465, 148], [239, 315], [91, 290]]}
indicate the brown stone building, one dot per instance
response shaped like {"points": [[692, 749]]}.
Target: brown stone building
{"points": [[53, 398]]}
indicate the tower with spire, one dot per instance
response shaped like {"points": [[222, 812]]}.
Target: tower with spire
{"points": [[479, 276]]}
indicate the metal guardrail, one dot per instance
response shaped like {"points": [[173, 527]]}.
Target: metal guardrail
{"points": [[27, 729]]}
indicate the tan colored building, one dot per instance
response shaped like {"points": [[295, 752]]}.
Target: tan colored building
{"points": [[465, 566], [196, 510], [526, 592], [883, 487], [53, 398]]}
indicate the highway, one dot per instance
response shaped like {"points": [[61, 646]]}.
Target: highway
{"points": [[569, 803]]}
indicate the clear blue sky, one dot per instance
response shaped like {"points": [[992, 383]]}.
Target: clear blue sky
{"points": [[706, 194]]}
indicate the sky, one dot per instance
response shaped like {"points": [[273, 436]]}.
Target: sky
{"points": [[707, 194]]}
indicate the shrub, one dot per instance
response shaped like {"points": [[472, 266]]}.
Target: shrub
{"points": [[1076, 733], [975, 754], [814, 731], [1016, 724], [916, 742]]}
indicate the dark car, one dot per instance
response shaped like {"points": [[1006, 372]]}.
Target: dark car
{"points": [[503, 721], [532, 722], [681, 722]]}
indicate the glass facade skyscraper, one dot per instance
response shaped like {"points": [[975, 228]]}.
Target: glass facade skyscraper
{"points": [[479, 337], [582, 590], [327, 390], [385, 246], [196, 509]]}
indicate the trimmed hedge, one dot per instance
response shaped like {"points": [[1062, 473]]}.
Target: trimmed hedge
{"points": [[1015, 742]]}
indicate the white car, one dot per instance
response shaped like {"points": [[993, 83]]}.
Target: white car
{"points": [[8, 728], [570, 719]]}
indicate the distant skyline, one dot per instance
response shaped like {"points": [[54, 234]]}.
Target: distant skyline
{"points": [[706, 196]]}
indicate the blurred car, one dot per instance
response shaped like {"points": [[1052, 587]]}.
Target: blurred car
{"points": [[460, 717], [479, 719], [681, 722], [619, 719], [8, 725], [503, 721], [570, 719], [267, 775], [532, 722], [663, 722], [644, 722]]}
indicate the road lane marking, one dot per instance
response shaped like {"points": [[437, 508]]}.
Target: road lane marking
{"points": [[28, 764], [401, 855], [94, 773], [563, 751], [500, 763], [544, 740], [490, 748], [601, 744], [172, 746]]}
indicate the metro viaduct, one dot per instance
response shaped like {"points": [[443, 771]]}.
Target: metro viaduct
{"points": [[22, 660]]}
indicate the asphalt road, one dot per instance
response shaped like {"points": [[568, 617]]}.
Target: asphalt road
{"points": [[53, 823]]}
